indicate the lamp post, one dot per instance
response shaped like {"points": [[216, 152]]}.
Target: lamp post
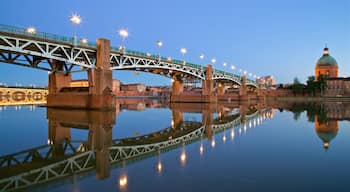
{"points": [[31, 30], [183, 52], [76, 20], [159, 44], [213, 61], [224, 68], [201, 57], [123, 33]]}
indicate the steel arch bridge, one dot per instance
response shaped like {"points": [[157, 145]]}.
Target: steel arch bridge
{"points": [[39, 50], [80, 161]]}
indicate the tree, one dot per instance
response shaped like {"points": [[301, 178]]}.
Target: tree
{"points": [[311, 84], [296, 81], [297, 87]]}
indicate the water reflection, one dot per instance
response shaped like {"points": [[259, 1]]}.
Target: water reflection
{"points": [[64, 155], [325, 115]]}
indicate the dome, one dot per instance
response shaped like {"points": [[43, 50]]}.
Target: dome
{"points": [[326, 59], [326, 137]]}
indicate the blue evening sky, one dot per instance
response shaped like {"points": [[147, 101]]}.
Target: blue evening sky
{"points": [[265, 37]]}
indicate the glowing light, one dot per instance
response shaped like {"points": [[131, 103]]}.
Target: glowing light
{"points": [[172, 123], [159, 167], [201, 149], [75, 19], [224, 138], [232, 134], [169, 58], [233, 67], [183, 51], [245, 72], [123, 181], [213, 60], [84, 41], [123, 33], [201, 56], [213, 143], [224, 64], [159, 43], [49, 142], [31, 30], [183, 157]]}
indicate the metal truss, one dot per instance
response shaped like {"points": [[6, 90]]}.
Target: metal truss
{"points": [[42, 153], [168, 68], [36, 53], [39, 51]]}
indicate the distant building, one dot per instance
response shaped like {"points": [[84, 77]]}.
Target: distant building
{"points": [[268, 81], [337, 87], [326, 65]]}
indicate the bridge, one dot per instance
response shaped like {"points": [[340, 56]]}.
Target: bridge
{"points": [[61, 56], [22, 96], [63, 157]]}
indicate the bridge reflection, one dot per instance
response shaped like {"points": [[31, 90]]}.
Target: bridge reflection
{"points": [[63, 156]]}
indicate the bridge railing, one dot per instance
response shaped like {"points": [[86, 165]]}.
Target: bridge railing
{"points": [[152, 56], [42, 35]]}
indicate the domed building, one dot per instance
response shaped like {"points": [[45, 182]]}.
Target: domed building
{"points": [[326, 66], [326, 131]]}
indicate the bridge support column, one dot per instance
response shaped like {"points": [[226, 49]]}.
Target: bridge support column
{"points": [[57, 135], [261, 95], [101, 130], [58, 80], [208, 86], [221, 89], [177, 91], [243, 112], [243, 96], [177, 118], [99, 93], [207, 119]]}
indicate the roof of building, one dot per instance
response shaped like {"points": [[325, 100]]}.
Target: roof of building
{"points": [[326, 59], [339, 79]]}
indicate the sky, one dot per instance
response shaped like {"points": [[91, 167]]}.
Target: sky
{"points": [[271, 37]]}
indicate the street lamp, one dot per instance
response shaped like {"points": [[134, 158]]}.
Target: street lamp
{"points": [[224, 67], [233, 67], [123, 33], [31, 30], [213, 61], [183, 52], [83, 41], [201, 57], [159, 44], [76, 20]]}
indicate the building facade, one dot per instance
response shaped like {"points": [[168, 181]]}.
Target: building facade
{"points": [[326, 66]]}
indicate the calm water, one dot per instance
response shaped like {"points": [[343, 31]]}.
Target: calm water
{"points": [[259, 147]]}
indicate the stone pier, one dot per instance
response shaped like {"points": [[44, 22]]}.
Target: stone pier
{"points": [[98, 95], [207, 95]]}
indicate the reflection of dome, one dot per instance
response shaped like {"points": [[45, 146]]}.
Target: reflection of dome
{"points": [[326, 137], [326, 59], [326, 131]]}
